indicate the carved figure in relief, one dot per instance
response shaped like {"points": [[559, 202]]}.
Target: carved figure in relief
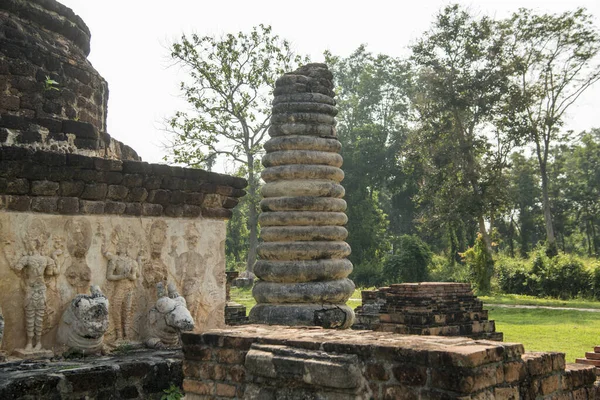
{"points": [[53, 296], [84, 323], [168, 318], [1, 326], [190, 269], [154, 269], [33, 267], [79, 240], [122, 271]]}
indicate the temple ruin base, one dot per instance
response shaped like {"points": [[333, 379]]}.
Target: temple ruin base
{"points": [[128, 374], [277, 362], [427, 308]]}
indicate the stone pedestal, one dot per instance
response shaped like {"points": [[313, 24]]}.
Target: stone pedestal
{"points": [[32, 354], [303, 268]]}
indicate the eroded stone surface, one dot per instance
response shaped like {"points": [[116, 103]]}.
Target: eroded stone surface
{"points": [[279, 362], [168, 318], [303, 268], [84, 323], [137, 251]]}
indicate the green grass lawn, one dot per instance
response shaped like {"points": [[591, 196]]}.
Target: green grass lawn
{"points": [[517, 299], [567, 331]]}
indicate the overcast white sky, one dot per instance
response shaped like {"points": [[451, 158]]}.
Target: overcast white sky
{"points": [[130, 40]]}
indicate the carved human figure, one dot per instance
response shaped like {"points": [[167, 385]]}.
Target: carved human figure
{"points": [[1, 327], [190, 269], [33, 267], [53, 295], [122, 271], [154, 270], [84, 323], [79, 233], [167, 318]]}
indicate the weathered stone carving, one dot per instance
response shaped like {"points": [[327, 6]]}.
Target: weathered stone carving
{"points": [[2, 353], [32, 268], [154, 270], [1, 326], [168, 318], [84, 323], [190, 269], [303, 267], [122, 271], [79, 239]]}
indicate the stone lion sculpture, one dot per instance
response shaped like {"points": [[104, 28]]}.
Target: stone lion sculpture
{"points": [[84, 323], [168, 318]]}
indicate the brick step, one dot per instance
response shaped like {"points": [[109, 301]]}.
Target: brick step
{"points": [[592, 356], [587, 361], [596, 349]]}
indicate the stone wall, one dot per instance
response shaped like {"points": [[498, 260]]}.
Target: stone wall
{"points": [[76, 212], [58, 183], [276, 362], [51, 97], [132, 375]]}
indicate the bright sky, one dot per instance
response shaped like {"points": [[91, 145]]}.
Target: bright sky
{"points": [[130, 40]]}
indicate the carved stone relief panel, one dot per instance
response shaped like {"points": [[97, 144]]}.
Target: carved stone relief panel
{"points": [[47, 260]]}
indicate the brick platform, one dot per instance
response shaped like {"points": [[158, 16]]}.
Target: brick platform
{"points": [[591, 358], [276, 362], [430, 308]]}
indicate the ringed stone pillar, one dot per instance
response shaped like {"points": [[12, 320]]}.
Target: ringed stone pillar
{"points": [[303, 269]]}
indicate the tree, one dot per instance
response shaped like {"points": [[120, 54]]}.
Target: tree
{"points": [[555, 59], [461, 78], [582, 185], [409, 261], [230, 85], [373, 106]]}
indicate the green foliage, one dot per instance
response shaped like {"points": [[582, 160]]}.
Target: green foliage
{"points": [[50, 84], [441, 269], [172, 393], [368, 275], [514, 276], [229, 86], [555, 58], [563, 276], [373, 113], [479, 260], [409, 262]]}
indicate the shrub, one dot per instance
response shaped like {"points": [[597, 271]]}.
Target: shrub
{"points": [[480, 264], [409, 262], [565, 277], [515, 277], [441, 269], [367, 275]]}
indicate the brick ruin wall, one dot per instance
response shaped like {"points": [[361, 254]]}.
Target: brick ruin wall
{"points": [[42, 41], [426, 308], [276, 362]]}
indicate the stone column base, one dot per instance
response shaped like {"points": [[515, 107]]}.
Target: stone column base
{"points": [[326, 316]]}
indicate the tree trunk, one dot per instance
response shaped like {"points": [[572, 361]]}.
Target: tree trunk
{"points": [[252, 216], [594, 238], [551, 249]]}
